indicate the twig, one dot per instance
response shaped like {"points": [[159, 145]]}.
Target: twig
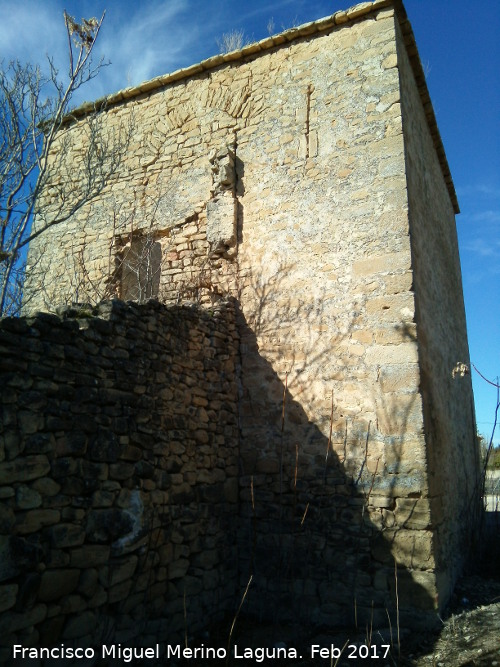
{"points": [[185, 620], [494, 384], [236, 617], [282, 447], [304, 515], [329, 438], [341, 651], [296, 467], [283, 409], [397, 608], [390, 626]]}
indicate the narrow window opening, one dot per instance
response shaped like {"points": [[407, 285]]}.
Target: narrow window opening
{"points": [[140, 268]]}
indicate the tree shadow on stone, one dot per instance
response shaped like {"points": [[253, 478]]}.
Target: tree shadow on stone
{"points": [[307, 538]]}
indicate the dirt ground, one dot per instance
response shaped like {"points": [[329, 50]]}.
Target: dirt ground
{"points": [[470, 635]]}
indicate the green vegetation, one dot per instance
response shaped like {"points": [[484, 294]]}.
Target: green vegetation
{"points": [[494, 458]]}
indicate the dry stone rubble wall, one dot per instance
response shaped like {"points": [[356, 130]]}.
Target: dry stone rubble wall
{"points": [[118, 473]]}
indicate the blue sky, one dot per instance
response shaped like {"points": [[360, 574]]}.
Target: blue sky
{"points": [[459, 46]]}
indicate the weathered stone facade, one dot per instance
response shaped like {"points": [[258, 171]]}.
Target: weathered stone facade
{"points": [[305, 178]]}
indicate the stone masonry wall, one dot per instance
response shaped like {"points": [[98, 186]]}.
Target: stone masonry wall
{"points": [[442, 342], [118, 474], [278, 175]]}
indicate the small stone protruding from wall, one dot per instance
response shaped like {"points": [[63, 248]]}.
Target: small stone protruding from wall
{"points": [[223, 207], [223, 163]]}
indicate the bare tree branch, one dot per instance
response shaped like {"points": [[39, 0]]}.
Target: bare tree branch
{"points": [[493, 384], [33, 147]]}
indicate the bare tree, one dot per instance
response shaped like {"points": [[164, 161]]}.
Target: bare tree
{"points": [[34, 109]]}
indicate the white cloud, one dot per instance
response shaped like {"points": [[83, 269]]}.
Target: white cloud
{"points": [[484, 247], [140, 40], [140, 43], [30, 30], [489, 216], [479, 190], [267, 10], [144, 44]]}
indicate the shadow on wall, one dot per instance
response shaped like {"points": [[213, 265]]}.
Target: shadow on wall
{"points": [[121, 476], [323, 536], [118, 474]]}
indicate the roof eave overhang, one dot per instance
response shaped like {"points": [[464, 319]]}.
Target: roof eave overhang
{"points": [[306, 30]]}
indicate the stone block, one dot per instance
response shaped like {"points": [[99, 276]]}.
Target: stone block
{"points": [[131, 453], [55, 584], [64, 467], [88, 582], [28, 591], [71, 444], [29, 421], [231, 490], [7, 518], [90, 555], [99, 599], [46, 486], [80, 625], [72, 604], [7, 492], [390, 61], [27, 619], [267, 466], [8, 596], [416, 589], [399, 308], [105, 525], [119, 591], [57, 558], [104, 447], [413, 513], [121, 570], [178, 568], [16, 554], [207, 559], [103, 499], [75, 486], [27, 498], [121, 471], [73, 514], [50, 630], [398, 282], [67, 535], [383, 355], [182, 494], [399, 378], [34, 520], [221, 222], [399, 413], [24, 469], [382, 264]]}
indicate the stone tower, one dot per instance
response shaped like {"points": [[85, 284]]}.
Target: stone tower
{"points": [[303, 176]]}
